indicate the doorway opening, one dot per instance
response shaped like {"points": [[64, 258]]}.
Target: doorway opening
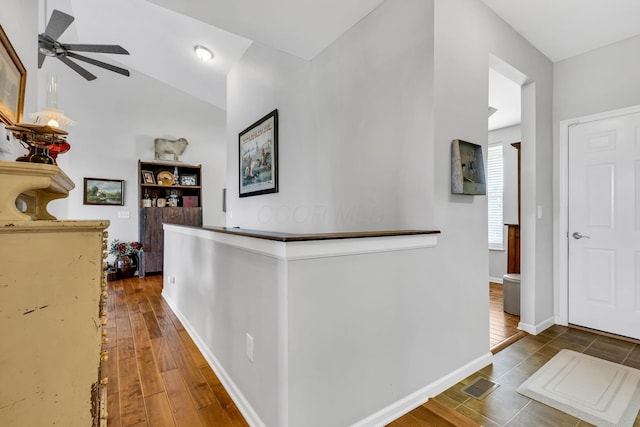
{"points": [[503, 200]]}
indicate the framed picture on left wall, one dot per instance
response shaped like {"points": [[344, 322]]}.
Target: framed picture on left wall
{"points": [[13, 80], [100, 191]]}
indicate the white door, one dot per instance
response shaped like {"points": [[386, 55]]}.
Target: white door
{"points": [[604, 225]]}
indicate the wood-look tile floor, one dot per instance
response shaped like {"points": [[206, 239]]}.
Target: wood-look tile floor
{"points": [[157, 376], [513, 365]]}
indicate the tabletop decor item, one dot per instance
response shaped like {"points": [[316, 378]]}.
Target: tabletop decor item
{"points": [[127, 257]]}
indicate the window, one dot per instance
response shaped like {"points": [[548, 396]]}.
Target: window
{"points": [[495, 187]]}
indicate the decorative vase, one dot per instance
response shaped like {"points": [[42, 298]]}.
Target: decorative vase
{"points": [[125, 267], [58, 148]]}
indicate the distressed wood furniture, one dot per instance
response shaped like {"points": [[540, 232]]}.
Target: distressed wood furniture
{"points": [[33, 185], [188, 211], [52, 306]]}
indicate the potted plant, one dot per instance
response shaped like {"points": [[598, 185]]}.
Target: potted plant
{"points": [[127, 255]]}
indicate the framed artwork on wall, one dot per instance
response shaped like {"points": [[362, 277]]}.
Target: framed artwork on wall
{"points": [[13, 80], [100, 191], [467, 168], [258, 157]]}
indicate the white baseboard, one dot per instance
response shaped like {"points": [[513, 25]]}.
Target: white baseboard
{"points": [[412, 401], [495, 279], [236, 395], [536, 329]]}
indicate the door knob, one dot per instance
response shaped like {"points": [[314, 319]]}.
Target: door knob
{"points": [[578, 236]]}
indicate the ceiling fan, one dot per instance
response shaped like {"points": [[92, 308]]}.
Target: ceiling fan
{"points": [[48, 45]]}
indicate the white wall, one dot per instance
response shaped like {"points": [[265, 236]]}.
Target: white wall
{"points": [[506, 136], [604, 79], [601, 80], [366, 129], [19, 20], [467, 34], [117, 119], [355, 127]]}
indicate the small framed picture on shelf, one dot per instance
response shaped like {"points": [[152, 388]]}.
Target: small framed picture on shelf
{"points": [[188, 179], [148, 177]]}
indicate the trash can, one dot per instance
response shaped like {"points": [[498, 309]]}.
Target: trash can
{"points": [[511, 293]]}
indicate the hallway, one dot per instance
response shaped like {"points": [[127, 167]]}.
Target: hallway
{"points": [[157, 376], [503, 327]]}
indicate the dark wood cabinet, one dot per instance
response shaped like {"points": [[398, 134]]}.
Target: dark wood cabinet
{"points": [[175, 184], [513, 242]]}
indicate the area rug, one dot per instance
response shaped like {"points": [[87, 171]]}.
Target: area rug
{"points": [[600, 392]]}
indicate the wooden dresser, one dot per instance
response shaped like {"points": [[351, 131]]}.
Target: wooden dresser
{"points": [[52, 305]]}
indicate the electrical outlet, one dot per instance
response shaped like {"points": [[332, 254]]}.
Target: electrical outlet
{"points": [[250, 347], [172, 280], [124, 214]]}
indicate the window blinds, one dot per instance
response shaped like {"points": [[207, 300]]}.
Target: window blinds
{"points": [[495, 187]]}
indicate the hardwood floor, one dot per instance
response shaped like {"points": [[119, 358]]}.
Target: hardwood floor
{"points": [[503, 327], [157, 376]]}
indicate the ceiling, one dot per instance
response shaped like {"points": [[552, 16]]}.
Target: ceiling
{"points": [[564, 28], [160, 34]]}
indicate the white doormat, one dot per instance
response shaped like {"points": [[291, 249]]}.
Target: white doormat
{"points": [[600, 392]]}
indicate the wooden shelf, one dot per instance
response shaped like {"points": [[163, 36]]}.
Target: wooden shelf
{"points": [[35, 185], [151, 233], [170, 186]]}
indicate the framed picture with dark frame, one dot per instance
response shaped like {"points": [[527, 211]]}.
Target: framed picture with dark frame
{"points": [[13, 80], [100, 191], [258, 157], [148, 177]]}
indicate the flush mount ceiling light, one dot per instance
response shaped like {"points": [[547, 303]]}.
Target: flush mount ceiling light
{"points": [[203, 53]]}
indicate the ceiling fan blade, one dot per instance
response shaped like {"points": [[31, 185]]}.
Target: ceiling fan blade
{"points": [[58, 23], [41, 57], [101, 48], [99, 63], [75, 67]]}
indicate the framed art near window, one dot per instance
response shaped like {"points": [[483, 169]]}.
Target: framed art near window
{"points": [[99, 191], [258, 157], [13, 79]]}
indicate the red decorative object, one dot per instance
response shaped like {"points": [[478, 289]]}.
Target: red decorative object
{"points": [[59, 147], [189, 201]]}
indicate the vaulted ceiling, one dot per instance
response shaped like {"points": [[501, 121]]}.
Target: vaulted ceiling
{"points": [[160, 34]]}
